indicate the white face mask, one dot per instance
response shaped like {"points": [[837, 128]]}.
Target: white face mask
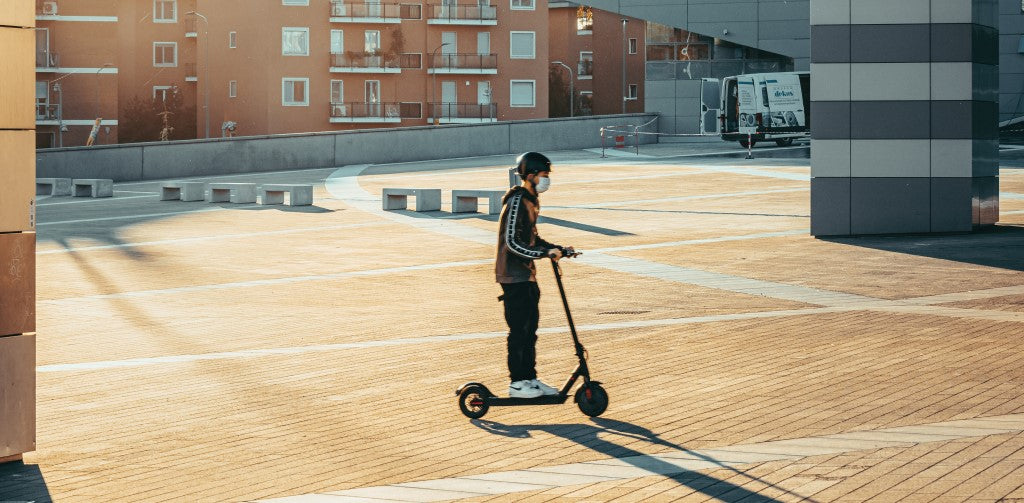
{"points": [[542, 184]]}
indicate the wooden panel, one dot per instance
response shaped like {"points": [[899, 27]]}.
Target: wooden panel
{"points": [[17, 395], [17, 78], [17, 13], [18, 171], [17, 283]]}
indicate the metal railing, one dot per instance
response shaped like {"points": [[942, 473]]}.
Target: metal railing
{"points": [[365, 60], [366, 10], [47, 112], [620, 132], [365, 110], [463, 13], [452, 110], [466, 61], [47, 59]]}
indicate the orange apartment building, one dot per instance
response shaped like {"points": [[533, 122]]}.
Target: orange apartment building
{"points": [[253, 67], [593, 43]]}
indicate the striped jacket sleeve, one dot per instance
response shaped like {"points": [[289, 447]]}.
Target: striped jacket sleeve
{"points": [[518, 233]]}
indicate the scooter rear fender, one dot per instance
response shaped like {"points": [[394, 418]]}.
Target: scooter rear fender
{"points": [[464, 386]]}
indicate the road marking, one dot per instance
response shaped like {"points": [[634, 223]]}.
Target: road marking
{"points": [[147, 215]]}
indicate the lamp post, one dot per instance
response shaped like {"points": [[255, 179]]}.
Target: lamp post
{"points": [[206, 97], [624, 21], [60, 114], [572, 90], [95, 133], [433, 86]]}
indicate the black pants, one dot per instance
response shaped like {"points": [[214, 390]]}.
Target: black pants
{"points": [[522, 315]]}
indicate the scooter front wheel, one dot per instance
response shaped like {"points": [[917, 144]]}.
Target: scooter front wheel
{"points": [[473, 401], [592, 399]]}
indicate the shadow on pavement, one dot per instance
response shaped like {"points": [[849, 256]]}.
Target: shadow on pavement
{"points": [[589, 436], [21, 482], [999, 246]]}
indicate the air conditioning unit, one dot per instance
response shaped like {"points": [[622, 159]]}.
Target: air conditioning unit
{"points": [[49, 8], [339, 111]]}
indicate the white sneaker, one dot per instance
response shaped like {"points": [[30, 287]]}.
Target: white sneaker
{"points": [[524, 389], [544, 388]]}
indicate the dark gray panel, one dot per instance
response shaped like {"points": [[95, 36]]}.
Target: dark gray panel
{"points": [[951, 42], [830, 43], [889, 205], [964, 119], [951, 204], [985, 45], [985, 200], [985, 120], [830, 206], [874, 120], [890, 43], [831, 120]]}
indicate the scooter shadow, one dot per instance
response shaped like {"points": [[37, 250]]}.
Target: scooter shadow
{"points": [[589, 435]]}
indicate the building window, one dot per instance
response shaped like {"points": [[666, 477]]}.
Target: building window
{"points": [[294, 2], [232, 89], [165, 54], [585, 20], [337, 91], [337, 41], [521, 45], [295, 41], [521, 93], [165, 11], [295, 92], [527, 4], [162, 92], [585, 70], [631, 94], [632, 45], [232, 40]]}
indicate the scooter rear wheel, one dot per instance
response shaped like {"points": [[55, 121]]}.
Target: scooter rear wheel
{"points": [[592, 399], [473, 402]]}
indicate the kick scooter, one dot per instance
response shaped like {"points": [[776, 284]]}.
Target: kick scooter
{"points": [[475, 399]]}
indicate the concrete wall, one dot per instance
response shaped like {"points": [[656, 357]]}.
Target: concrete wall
{"points": [[155, 161]]}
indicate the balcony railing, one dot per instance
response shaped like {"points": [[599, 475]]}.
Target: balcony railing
{"points": [[463, 14], [355, 111], [464, 63], [191, 23], [364, 12], [367, 62], [585, 68], [47, 112], [470, 111], [47, 59]]}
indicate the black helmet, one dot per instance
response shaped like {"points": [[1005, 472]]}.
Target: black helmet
{"points": [[532, 163]]}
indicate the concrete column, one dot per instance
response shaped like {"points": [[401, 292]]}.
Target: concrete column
{"points": [[904, 116], [17, 231]]}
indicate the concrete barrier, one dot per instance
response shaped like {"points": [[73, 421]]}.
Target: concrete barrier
{"points": [[252, 154]]}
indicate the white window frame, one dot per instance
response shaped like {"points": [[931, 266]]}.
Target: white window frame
{"points": [[533, 48], [232, 89], [300, 29], [341, 93], [532, 83], [295, 2], [633, 92], [284, 83], [163, 90], [340, 39], [589, 76], [634, 45], [173, 64], [232, 40], [532, 4], [174, 5]]}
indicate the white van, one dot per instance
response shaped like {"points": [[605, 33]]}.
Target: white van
{"points": [[766, 106]]}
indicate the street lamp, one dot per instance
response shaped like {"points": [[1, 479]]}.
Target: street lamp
{"points": [[60, 114], [433, 86], [624, 21], [572, 91], [206, 97], [95, 132]]}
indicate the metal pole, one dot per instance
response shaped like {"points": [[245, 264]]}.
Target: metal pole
{"points": [[433, 85], [572, 89], [60, 114], [624, 21], [206, 98]]}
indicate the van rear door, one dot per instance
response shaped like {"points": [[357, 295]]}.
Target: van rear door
{"points": [[710, 100]]}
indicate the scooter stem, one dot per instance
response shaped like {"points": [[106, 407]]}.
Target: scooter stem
{"points": [[568, 315]]}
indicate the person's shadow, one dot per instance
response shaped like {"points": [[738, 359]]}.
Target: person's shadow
{"points": [[589, 435]]}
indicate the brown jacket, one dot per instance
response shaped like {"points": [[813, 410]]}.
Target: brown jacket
{"points": [[518, 242]]}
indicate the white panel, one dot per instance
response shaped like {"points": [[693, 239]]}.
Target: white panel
{"points": [[889, 81], [890, 158], [952, 11], [830, 12], [952, 81], [830, 158], [889, 11], [830, 82], [952, 158]]}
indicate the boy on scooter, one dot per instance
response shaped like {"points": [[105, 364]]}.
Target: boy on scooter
{"points": [[518, 246]]}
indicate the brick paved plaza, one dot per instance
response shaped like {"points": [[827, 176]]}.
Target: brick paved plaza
{"points": [[190, 351]]}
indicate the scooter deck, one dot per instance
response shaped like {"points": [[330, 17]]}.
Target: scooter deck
{"points": [[497, 401]]}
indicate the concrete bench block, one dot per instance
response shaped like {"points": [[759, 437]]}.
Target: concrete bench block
{"points": [[298, 195], [465, 201], [232, 192], [92, 187], [182, 191], [426, 199], [53, 186]]}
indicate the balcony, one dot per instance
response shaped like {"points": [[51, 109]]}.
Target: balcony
{"points": [[464, 113], [463, 14], [191, 30], [464, 64], [365, 113], [47, 61], [190, 72], [365, 62], [343, 12], [48, 113]]}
